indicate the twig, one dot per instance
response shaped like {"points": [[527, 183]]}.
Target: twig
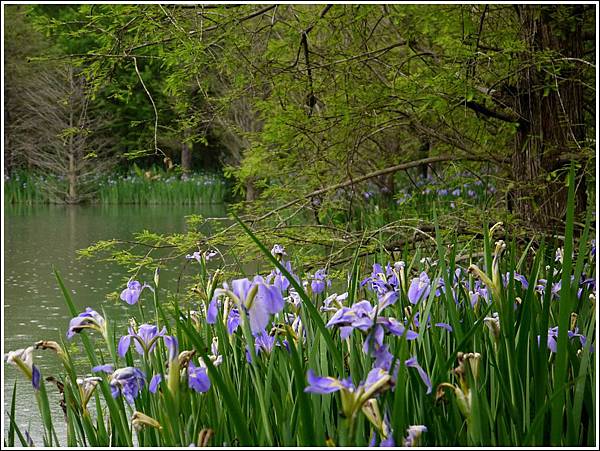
{"points": [[137, 71]]}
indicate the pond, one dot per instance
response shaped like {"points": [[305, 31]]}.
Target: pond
{"points": [[38, 238]]}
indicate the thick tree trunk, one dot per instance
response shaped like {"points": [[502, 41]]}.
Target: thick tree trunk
{"points": [[551, 112]]}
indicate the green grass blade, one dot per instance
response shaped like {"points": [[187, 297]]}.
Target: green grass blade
{"points": [[565, 309]]}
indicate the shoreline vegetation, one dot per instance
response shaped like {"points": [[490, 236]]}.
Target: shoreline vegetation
{"points": [[150, 187]]}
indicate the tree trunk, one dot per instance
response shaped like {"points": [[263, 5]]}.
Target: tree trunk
{"points": [[186, 154], [251, 191], [72, 173], [72, 180], [551, 112], [424, 153]]}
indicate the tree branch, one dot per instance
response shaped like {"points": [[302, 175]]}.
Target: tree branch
{"points": [[479, 108], [380, 172], [211, 28]]}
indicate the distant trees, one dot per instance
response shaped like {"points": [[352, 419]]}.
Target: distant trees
{"points": [[299, 97], [21, 45], [60, 136]]}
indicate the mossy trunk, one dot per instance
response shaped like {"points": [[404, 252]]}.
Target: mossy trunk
{"points": [[550, 107]]}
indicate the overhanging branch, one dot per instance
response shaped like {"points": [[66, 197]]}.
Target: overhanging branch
{"points": [[479, 108], [380, 172]]}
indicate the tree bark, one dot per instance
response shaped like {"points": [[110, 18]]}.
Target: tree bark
{"points": [[551, 112], [251, 191], [186, 159]]}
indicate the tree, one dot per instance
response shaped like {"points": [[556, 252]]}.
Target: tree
{"points": [[21, 45], [61, 136], [550, 102]]}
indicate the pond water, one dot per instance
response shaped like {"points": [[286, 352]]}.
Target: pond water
{"points": [[36, 238]]}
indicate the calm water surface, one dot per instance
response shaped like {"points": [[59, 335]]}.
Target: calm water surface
{"points": [[36, 238]]}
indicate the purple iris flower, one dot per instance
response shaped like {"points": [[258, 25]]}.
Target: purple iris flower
{"points": [[375, 376], [323, 385], [199, 256], [144, 339], [172, 345], [197, 378], [382, 281], [233, 321], [518, 277], [554, 292], [385, 443], [582, 338], [553, 337], [556, 289], [373, 340], [23, 359], [394, 327], [479, 292], [319, 281], [215, 357], [212, 311], [263, 342], [269, 295], [419, 288], [446, 326], [278, 279], [89, 319], [383, 358], [209, 255], [388, 298], [128, 382], [155, 382], [195, 256], [456, 192], [377, 380], [267, 300], [412, 363], [278, 251], [362, 316], [240, 288], [131, 294], [107, 368], [36, 377], [589, 283], [333, 298]]}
